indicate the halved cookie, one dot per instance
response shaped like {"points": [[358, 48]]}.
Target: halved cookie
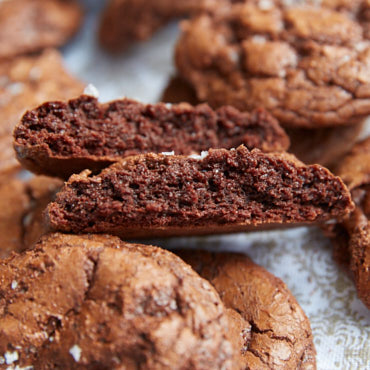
{"points": [[63, 138], [217, 192]]}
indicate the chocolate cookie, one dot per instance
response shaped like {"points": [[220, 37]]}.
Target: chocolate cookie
{"points": [[28, 26], [26, 82], [127, 21], [309, 66], [95, 302], [351, 238], [274, 332], [22, 205], [220, 191], [61, 139], [322, 145]]}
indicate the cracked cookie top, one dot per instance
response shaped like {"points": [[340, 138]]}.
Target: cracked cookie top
{"points": [[99, 303], [271, 329], [308, 65]]}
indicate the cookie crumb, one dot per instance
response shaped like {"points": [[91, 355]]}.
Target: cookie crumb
{"points": [[75, 352], [91, 90]]}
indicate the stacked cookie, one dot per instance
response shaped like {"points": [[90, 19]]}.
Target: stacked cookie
{"points": [[77, 295]]}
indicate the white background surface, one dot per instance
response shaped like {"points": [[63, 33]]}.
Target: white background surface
{"points": [[301, 257]]}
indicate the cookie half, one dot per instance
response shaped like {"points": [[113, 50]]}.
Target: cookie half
{"points": [[217, 192], [272, 331], [96, 302], [308, 65], [63, 138]]}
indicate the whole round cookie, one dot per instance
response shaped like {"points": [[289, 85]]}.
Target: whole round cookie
{"points": [[308, 65], [95, 302], [273, 331]]}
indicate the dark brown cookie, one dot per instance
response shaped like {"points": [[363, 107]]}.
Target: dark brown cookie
{"points": [[274, 332], [26, 82], [28, 26], [309, 66], [126, 21], [95, 302], [218, 192], [63, 138], [351, 238], [22, 205]]}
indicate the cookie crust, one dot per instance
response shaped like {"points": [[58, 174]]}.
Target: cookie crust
{"points": [[314, 69], [98, 303], [272, 330]]}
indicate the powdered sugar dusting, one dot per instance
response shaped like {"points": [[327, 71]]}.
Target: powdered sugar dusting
{"points": [[168, 153]]}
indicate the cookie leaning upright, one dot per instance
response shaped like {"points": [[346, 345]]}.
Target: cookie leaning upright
{"points": [[28, 26], [309, 66], [97, 302], [351, 238], [25, 82], [218, 191], [272, 331]]}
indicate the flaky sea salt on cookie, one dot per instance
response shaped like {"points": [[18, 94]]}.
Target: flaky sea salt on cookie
{"points": [[217, 192]]}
